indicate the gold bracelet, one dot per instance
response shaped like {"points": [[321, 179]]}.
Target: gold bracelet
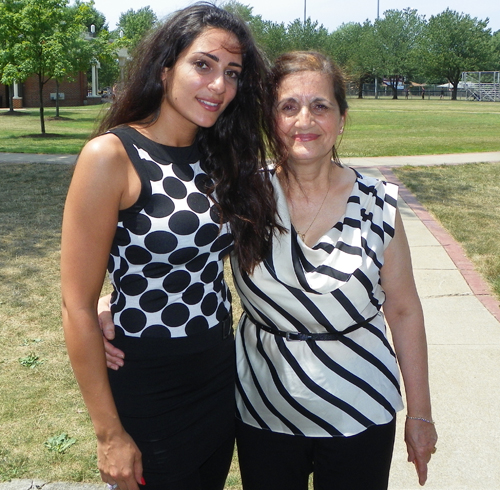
{"points": [[422, 419]]}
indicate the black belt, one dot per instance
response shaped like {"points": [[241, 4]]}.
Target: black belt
{"points": [[290, 336]]}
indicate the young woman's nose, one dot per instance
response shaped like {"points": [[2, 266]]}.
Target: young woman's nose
{"points": [[218, 84]]}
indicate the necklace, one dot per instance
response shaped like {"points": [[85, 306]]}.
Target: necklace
{"points": [[303, 235]]}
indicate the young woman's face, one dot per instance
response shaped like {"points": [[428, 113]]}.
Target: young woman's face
{"points": [[308, 116], [203, 81]]}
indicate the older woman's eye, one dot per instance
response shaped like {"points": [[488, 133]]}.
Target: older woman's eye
{"points": [[319, 108], [289, 109]]}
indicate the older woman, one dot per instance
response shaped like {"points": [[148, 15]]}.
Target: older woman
{"points": [[318, 381]]}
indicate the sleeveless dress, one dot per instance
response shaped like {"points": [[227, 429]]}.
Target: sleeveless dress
{"points": [[171, 308], [320, 388]]}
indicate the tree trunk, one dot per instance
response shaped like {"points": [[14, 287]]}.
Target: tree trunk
{"points": [[11, 98], [394, 91], [57, 97], [40, 94]]}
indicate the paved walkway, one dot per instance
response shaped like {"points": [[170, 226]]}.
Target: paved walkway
{"points": [[463, 329]]}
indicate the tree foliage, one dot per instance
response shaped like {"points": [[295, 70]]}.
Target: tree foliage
{"points": [[50, 39], [456, 43], [134, 25], [397, 37], [495, 51], [43, 38], [352, 47]]}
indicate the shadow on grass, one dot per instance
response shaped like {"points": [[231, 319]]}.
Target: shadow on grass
{"points": [[15, 113], [55, 136]]}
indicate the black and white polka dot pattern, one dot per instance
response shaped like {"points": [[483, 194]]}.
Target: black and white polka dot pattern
{"points": [[166, 260]]}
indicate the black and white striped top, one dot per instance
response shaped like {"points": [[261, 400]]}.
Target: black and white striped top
{"points": [[320, 388]]}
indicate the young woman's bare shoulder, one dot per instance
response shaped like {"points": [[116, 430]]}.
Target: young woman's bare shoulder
{"points": [[106, 150]]}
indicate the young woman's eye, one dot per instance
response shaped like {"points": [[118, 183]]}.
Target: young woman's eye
{"points": [[201, 65], [233, 74]]}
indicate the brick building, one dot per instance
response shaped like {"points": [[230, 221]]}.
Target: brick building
{"points": [[73, 93]]}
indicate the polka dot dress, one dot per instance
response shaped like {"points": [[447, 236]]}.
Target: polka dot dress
{"points": [[166, 259]]}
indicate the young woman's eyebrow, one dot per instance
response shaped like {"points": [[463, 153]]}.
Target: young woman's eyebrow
{"points": [[216, 59]]}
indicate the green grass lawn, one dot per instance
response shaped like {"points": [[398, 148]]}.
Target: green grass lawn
{"points": [[464, 199], [381, 127], [20, 133], [420, 127]]}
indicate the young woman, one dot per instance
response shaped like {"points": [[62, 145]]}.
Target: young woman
{"points": [[169, 186]]}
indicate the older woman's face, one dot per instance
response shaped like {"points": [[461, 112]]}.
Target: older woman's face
{"points": [[308, 116]]}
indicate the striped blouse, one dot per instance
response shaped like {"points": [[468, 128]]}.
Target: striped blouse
{"points": [[320, 388]]}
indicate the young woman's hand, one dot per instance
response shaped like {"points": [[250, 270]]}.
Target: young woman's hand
{"points": [[119, 461]]}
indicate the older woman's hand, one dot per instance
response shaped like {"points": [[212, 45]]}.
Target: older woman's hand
{"points": [[420, 438], [114, 356]]}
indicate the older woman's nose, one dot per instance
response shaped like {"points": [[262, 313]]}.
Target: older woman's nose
{"points": [[304, 117]]}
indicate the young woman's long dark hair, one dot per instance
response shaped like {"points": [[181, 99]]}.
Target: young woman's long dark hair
{"points": [[234, 148]]}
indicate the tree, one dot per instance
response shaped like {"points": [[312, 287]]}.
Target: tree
{"points": [[455, 43], [495, 48], [396, 39], [270, 36], [307, 35], [135, 25], [352, 47], [45, 40], [8, 10], [104, 44]]}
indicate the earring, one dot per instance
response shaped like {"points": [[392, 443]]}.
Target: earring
{"points": [[341, 130]]}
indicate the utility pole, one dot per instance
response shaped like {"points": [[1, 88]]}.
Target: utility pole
{"points": [[376, 79]]}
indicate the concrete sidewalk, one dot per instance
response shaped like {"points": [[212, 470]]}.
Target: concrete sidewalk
{"points": [[463, 329]]}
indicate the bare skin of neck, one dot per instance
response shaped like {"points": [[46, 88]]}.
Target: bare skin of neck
{"points": [[317, 198]]}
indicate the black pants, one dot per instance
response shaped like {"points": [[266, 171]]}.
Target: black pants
{"points": [[175, 398], [273, 461], [211, 475]]}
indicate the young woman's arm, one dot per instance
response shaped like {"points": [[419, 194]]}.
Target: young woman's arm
{"points": [[102, 184], [404, 315]]}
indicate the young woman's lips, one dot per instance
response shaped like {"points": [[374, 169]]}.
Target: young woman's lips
{"points": [[210, 105], [305, 137]]}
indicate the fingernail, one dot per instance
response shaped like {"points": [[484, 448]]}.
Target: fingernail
{"points": [[143, 481]]}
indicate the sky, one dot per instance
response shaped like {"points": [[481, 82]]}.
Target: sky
{"points": [[330, 13]]}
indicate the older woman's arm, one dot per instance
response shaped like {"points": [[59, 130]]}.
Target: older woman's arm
{"points": [[404, 315], [114, 356]]}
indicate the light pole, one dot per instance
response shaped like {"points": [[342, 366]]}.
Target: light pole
{"points": [[376, 79], [305, 12]]}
